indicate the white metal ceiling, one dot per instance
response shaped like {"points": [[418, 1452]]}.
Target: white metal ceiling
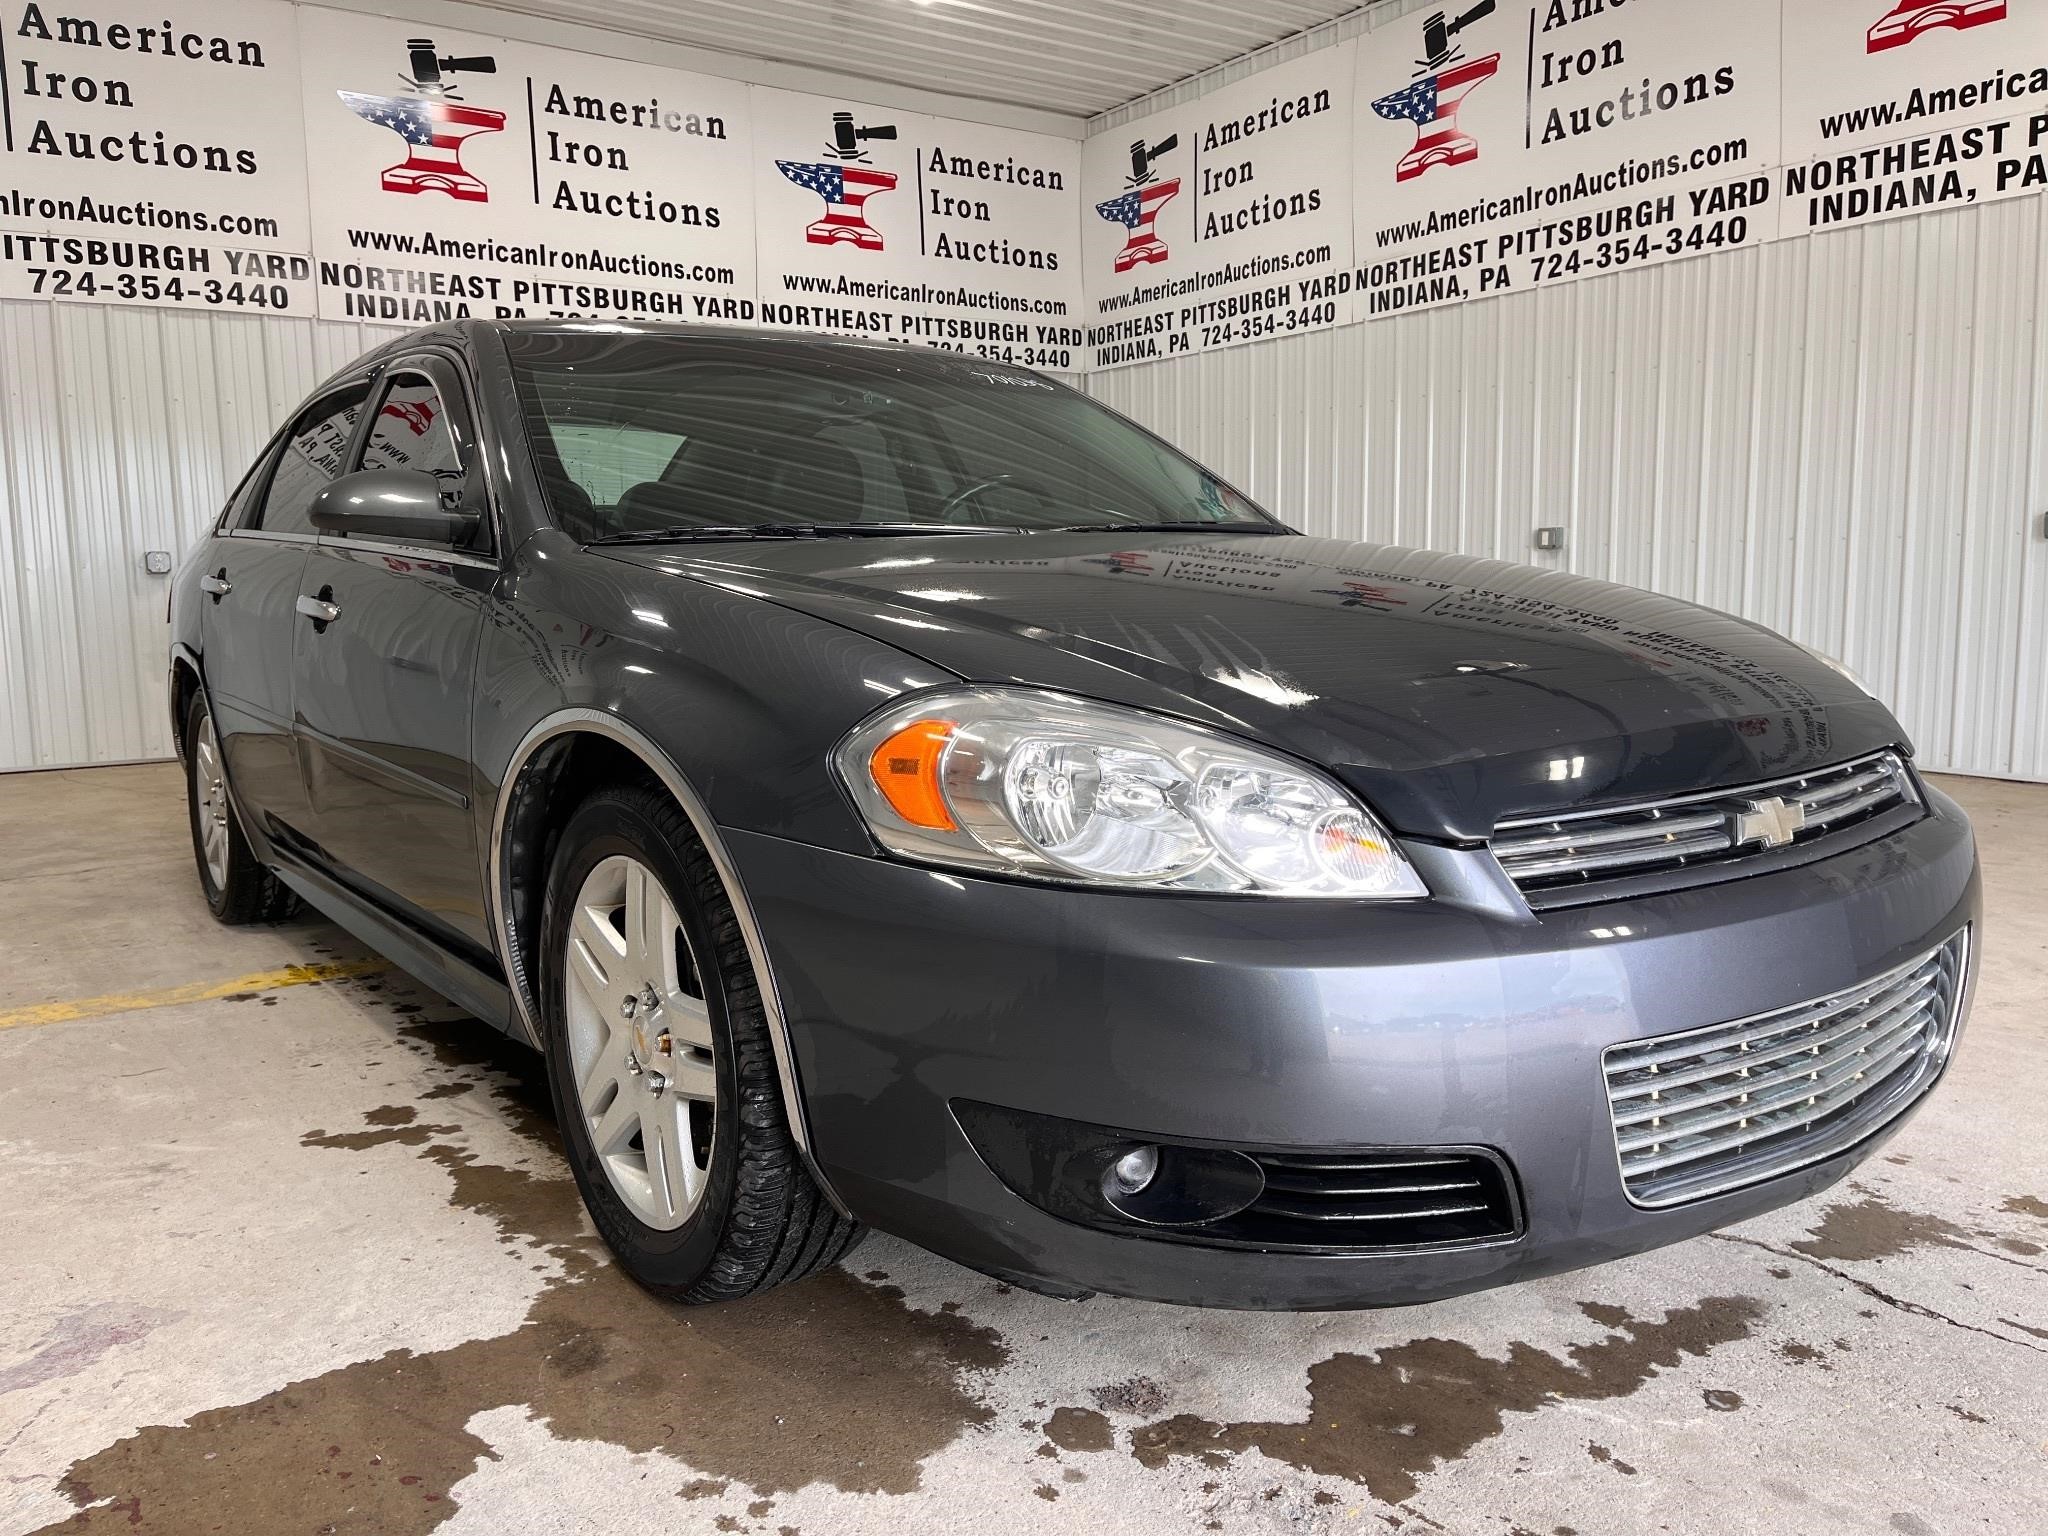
{"points": [[1072, 56]]}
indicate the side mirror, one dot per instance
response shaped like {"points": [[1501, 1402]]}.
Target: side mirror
{"points": [[403, 504]]}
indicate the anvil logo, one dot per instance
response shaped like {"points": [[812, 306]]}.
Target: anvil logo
{"points": [[1910, 20], [844, 184], [1138, 208], [433, 123], [1432, 103]]}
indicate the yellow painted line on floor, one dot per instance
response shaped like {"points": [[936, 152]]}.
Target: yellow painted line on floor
{"points": [[194, 992]]}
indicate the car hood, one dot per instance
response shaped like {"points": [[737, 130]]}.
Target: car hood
{"points": [[1452, 692]]}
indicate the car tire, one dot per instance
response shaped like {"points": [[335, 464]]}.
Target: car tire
{"points": [[237, 886], [708, 1199]]}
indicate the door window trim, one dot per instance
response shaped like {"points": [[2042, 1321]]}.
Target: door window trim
{"points": [[267, 461], [445, 372]]}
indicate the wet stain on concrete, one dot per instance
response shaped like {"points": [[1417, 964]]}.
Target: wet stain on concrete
{"points": [[75, 1341], [1384, 1420], [2026, 1205], [766, 1393], [417, 1135], [1797, 1353], [1605, 1457], [1080, 1429], [1870, 1229], [1139, 1396]]}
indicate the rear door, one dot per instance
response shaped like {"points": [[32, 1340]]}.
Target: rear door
{"points": [[248, 617], [384, 686]]}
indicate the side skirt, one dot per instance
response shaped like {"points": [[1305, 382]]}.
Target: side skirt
{"points": [[459, 982]]}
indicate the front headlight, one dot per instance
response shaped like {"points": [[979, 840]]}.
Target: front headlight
{"points": [[1057, 788]]}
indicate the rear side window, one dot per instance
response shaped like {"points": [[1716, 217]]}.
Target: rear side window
{"points": [[314, 451], [246, 500]]}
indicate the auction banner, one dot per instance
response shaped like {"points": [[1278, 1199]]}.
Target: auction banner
{"points": [[1896, 107], [1223, 221], [152, 158], [466, 175], [1508, 146], [902, 227]]}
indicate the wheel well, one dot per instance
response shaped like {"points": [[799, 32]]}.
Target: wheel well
{"points": [[184, 684], [559, 776]]}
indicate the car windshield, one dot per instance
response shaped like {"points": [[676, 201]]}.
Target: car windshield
{"points": [[639, 436]]}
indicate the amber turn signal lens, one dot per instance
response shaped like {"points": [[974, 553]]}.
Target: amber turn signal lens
{"points": [[906, 770]]}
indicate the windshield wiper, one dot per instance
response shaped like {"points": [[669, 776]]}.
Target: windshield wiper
{"points": [[686, 533], [1262, 529]]}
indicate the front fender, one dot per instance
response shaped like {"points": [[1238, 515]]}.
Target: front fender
{"points": [[745, 698]]}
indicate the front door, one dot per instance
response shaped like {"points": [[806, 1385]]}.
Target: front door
{"points": [[384, 685], [248, 618]]}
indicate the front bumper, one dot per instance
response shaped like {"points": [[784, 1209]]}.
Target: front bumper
{"points": [[1294, 1024]]}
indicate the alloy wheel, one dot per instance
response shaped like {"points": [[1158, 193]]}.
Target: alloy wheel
{"points": [[212, 792], [640, 1042]]}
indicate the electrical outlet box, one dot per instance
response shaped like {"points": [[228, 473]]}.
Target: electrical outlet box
{"points": [[1550, 538]]}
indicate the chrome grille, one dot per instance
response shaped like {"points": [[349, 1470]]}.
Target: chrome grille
{"points": [[1706, 1111], [1721, 826]]}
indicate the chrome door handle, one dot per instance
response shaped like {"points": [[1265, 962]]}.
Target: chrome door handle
{"points": [[216, 586], [319, 610]]}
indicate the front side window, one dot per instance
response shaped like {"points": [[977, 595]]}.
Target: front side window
{"points": [[411, 431], [640, 434], [314, 453]]}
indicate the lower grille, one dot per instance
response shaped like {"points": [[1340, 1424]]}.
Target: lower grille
{"points": [[1378, 1200], [1704, 1112], [1216, 1195]]}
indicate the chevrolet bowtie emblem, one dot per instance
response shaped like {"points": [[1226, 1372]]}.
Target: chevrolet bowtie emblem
{"points": [[1774, 822]]}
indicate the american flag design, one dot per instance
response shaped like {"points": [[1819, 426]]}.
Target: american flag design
{"points": [[1910, 20], [1123, 563], [434, 131], [845, 188], [417, 415], [1432, 104], [1364, 594], [1136, 210]]}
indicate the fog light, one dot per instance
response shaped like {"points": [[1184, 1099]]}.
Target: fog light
{"points": [[1134, 1170]]}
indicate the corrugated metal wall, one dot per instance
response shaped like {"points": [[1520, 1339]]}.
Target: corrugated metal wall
{"points": [[1841, 437], [121, 430]]}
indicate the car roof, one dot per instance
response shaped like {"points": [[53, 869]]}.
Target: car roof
{"points": [[466, 331]]}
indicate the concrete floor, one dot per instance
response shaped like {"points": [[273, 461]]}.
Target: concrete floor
{"points": [[290, 1259]]}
